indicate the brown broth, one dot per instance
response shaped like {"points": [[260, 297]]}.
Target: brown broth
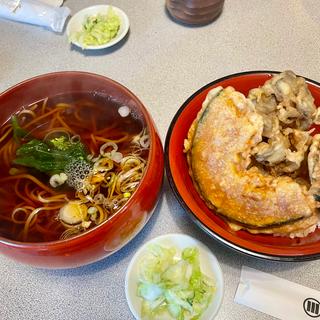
{"points": [[86, 113]]}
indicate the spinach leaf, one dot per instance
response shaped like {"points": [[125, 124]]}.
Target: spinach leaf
{"points": [[51, 156], [48, 159]]}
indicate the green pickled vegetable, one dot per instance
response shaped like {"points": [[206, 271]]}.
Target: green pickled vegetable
{"points": [[171, 287], [49, 157], [98, 29]]}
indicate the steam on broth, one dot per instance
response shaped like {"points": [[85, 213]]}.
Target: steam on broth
{"points": [[68, 164]]}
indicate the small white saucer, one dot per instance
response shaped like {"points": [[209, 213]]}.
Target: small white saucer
{"points": [[76, 22], [208, 263]]}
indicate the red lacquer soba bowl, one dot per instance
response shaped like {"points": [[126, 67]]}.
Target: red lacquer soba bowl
{"points": [[259, 245], [112, 234]]}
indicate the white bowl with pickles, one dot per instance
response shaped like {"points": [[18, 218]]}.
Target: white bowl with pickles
{"points": [[97, 27], [174, 276]]}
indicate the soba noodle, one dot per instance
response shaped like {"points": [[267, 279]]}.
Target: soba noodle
{"points": [[63, 203]]}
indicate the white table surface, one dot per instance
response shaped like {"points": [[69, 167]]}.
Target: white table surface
{"points": [[163, 63]]}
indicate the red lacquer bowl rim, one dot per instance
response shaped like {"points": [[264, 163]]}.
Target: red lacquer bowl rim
{"points": [[151, 161], [199, 218]]}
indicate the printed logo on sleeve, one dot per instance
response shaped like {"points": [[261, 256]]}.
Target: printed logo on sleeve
{"points": [[311, 307]]}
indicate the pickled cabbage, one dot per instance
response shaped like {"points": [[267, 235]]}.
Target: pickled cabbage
{"points": [[173, 286], [98, 29]]}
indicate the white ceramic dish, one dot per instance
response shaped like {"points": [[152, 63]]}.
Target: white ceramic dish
{"points": [[208, 263], [76, 22]]}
